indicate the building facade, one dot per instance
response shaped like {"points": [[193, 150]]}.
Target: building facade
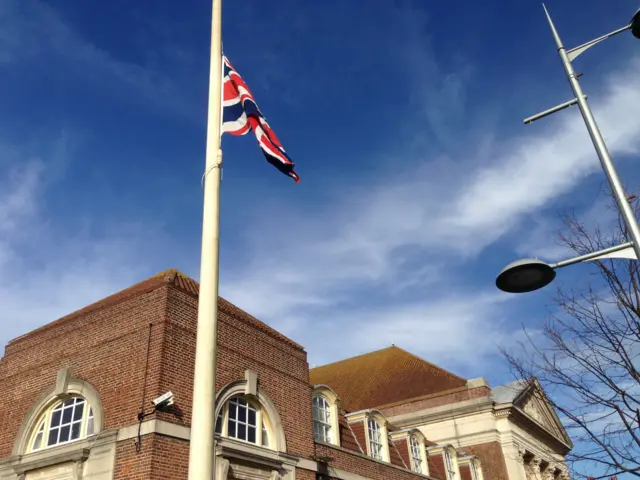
{"points": [[510, 429], [77, 402]]}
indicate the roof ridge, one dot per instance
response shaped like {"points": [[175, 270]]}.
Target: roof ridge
{"points": [[176, 279], [354, 357], [428, 362]]}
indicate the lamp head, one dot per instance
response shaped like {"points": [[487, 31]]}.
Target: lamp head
{"points": [[635, 24], [525, 275]]}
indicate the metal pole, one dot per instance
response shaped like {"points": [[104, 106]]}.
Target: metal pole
{"points": [[591, 256], [598, 142], [201, 447]]}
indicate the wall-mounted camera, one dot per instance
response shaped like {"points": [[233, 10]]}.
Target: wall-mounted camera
{"points": [[163, 401]]}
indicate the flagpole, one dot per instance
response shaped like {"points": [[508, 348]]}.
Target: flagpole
{"points": [[201, 446]]}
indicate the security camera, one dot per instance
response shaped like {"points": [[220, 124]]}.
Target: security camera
{"points": [[163, 401]]}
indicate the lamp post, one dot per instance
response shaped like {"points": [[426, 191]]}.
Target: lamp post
{"points": [[530, 274]]}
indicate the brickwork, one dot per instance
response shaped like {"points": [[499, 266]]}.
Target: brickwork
{"points": [[140, 343], [106, 347], [435, 400], [465, 472], [436, 465], [362, 465], [402, 447], [490, 454]]}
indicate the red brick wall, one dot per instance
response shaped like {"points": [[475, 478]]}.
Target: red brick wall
{"points": [[435, 400], [106, 347], [403, 449], [436, 465], [283, 371], [490, 454], [465, 472], [354, 463], [360, 432]]}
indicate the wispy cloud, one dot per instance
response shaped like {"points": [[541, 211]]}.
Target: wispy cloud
{"points": [[422, 223], [48, 270]]}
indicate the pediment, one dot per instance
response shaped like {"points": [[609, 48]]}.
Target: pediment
{"points": [[533, 402]]}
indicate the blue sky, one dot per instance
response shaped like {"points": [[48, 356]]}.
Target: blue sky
{"points": [[419, 180]]}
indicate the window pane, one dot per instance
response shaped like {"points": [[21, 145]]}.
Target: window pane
{"points": [[75, 430], [53, 436], [242, 431], [251, 434], [77, 413], [242, 414], [55, 418], [37, 443], [233, 408], [231, 426], [64, 434], [219, 424], [66, 415], [252, 417], [90, 426]]}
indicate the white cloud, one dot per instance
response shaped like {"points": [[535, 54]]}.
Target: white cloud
{"points": [[48, 270], [430, 219]]}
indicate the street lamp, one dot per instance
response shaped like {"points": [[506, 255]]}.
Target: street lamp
{"points": [[530, 274]]}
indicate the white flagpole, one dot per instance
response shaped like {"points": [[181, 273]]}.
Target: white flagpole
{"points": [[201, 447]]}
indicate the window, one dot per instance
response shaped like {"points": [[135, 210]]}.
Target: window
{"points": [[416, 454], [243, 420], [475, 473], [322, 420], [375, 439], [448, 461], [64, 422]]}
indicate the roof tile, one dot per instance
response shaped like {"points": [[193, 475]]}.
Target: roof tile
{"points": [[382, 377]]}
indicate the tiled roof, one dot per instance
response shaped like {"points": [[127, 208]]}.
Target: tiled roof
{"points": [[183, 283], [382, 377]]}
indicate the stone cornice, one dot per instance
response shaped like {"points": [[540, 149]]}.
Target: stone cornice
{"points": [[520, 418]]}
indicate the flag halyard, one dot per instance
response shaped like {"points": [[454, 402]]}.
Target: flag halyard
{"points": [[240, 114]]}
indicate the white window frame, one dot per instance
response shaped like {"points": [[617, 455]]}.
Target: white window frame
{"points": [[417, 451], [264, 437], [44, 426], [323, 430], [449, 464], [376, 445]]}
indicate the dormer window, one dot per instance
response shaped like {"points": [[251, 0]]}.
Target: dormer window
{"points": [[322, 419], [475, 474], [449, 465], [376, 444], [325, 415], [416, 454]]}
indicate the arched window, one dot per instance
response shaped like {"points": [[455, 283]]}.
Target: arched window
{"points": [[416, 454], [243, 419], [449, 465], [64, 422], [322, 421], [375, 439]]}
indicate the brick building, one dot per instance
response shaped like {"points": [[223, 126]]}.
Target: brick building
{"points": [[77, 402]]}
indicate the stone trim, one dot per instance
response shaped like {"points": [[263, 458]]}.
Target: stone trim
{"points": [[240, 387], [371, 459], [441, 412], [76, 452], [63, 386]]}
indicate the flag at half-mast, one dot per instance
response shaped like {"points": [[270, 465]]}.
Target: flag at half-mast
{"points": [[240, 113]]}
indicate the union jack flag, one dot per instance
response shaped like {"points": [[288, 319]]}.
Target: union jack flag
{"points": [[240, 113]]}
